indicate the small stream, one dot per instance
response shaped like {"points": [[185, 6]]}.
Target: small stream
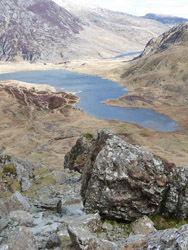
{"points": [[92, 91]]}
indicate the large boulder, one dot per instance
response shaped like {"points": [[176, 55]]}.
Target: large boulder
{"points": [[123, 181]]}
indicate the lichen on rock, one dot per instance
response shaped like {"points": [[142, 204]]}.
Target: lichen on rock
{"points": [[124, 182]]}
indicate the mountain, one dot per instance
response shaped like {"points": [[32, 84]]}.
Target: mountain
{"points": [[41, 30], [169, 20], [108, 33], [35, 30], [160, 74]]}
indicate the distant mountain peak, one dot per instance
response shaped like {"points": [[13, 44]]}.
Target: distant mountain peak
{"points": [[166, 19]]}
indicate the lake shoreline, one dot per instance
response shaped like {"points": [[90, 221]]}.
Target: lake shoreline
{"points": [[171, 146], [93, 91], [106, 69]]}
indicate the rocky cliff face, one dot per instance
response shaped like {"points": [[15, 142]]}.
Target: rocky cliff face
{"points": [[34, 30], [175, 36]]}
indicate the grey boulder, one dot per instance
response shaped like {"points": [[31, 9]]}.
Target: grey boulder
{"points": [[13, 203], [21, 239], [123, 181]]}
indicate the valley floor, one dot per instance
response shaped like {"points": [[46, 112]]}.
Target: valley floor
{"points": [[41, 135]]}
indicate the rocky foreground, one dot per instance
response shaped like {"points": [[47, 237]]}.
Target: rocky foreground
{"points": [[110, 195]]}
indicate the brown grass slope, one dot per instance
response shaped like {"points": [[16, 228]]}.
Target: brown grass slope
{"points": [[42, 126], [163, 66]]}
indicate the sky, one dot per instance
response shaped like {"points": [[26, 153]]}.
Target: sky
{"points": [[142, 7]]}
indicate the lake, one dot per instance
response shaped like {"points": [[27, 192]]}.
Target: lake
{"points": [[94, 90], [127, 54]]}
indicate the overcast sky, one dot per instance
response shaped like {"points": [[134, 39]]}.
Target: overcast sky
{"points": [[141, 7]]}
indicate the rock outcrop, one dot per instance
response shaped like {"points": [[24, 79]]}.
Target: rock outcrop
{"points": [[35, 219], [164, 239], [31, 95], [177, 35], [142, 226], [15, 174], [124, 182], [79, 154], [51, 204]]}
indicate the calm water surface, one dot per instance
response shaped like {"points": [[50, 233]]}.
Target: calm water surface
{"points": [[127, 54], [94, 90]]}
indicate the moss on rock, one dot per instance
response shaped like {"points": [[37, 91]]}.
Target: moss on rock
{"points": [[114, 230], [1, 174], [88, 136], [39, 185], [41, 171], [161, 223], [66, 242], [9, 169], [9, 186], [13, 185]]}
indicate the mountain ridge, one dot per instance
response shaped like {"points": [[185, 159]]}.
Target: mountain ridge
{"points": [[108, 33], [165, 19], [42, 31]]}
